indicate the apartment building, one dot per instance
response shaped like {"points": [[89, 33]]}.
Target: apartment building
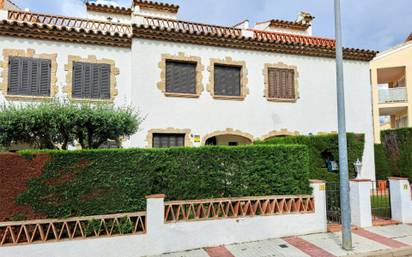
{"points": [[196, 84]]}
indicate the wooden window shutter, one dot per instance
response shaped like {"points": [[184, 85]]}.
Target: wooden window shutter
{"points": [[281, 83], [227, 80], [44, 79], [180, 77], [105, 77], [162, 140], [29, 76], [77, 80], [14, 76], [91, 80]]}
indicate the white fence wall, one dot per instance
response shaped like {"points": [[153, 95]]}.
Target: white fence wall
{"points": [[401, 199], [164, 237]]}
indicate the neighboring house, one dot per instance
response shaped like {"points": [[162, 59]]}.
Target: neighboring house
{"points": [[391, 75], [196, 83]]}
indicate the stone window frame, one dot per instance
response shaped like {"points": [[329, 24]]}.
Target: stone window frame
{"points": [[181, 57], [276, 133], [244, 90], [228, 131], [281, 65], [28, 53], [186, 132], [91, 59]]}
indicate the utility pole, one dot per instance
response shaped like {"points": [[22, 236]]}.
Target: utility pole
{"points": [[343, 147]]}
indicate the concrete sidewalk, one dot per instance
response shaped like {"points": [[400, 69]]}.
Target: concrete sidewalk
{"points": [[386, 241]]}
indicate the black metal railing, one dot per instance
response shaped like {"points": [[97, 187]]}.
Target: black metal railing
{"points": [[333, 209], [381, 200]]}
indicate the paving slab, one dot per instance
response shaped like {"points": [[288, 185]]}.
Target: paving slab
{"points": [[331, 243], [402, 232], [193, 253], [267, 248]]}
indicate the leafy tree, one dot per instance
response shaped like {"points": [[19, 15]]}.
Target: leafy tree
{"points": [[56, 125]]}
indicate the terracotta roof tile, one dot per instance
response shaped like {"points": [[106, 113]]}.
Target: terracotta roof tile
{"points": [[287, 24], [293, 38], [409, 38], [197, 33], [157, 5], [70, 23], [191, 27], [91, 6]]}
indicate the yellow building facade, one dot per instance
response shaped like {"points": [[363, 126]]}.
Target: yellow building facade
{"points": [[391, 79]]}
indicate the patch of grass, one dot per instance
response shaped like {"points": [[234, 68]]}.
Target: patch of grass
{"points": [[381, 206]]}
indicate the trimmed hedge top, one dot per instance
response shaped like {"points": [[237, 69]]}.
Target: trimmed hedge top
{"points": [[321, 146], [92, 182]]}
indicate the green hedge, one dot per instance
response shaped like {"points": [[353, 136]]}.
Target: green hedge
{"points": [[397, 144], [321, 144], [383, 171], [90, 182]]}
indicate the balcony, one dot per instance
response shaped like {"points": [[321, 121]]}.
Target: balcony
{"points": [[393, 95]]}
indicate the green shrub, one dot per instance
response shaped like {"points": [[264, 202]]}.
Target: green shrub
{"points": [[319, 146], [92, 182], [398, 148], [382, 168], [55, 125]]}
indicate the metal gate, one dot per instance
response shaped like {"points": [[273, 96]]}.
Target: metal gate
{"points": [[381, 200], [333, 209]]}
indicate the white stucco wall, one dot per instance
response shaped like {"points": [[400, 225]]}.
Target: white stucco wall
{"points": [[401, 200], [314, 112], [266, 27], [162, 238]]}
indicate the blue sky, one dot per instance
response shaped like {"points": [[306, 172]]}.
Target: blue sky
{"points": [[369, 24]]}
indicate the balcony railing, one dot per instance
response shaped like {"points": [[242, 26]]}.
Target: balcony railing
{"points": [[392, 95]]}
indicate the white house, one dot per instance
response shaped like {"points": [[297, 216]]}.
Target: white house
{"points": [[195, 83]]}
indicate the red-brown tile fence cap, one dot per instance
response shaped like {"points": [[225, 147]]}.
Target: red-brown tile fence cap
{"points": [[230, 199], [317, 181], [361, 180], [398, 178], [156, 196]]}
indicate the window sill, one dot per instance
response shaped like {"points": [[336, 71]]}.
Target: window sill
{"points": [[27, 98], [184, 95], [233, 98], [90, 100], [282, 100]]}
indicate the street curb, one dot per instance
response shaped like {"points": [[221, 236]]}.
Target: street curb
{"points": [[400, 252]]}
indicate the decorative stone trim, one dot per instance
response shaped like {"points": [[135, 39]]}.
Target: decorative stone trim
{"points": [[187, 132], [281, 65], [31, 53], [327, 133], [90, 59], [228, 131], [244, 91], [282, 132], [183, 58]]}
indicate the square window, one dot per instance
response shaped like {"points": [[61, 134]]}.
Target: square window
{"points": [[281, 84], [227, 80], [29, 76], [180, 77], [91, 80], [163, 140]]}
